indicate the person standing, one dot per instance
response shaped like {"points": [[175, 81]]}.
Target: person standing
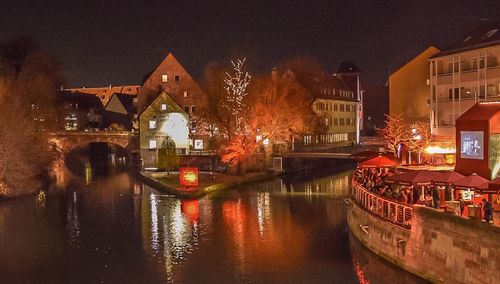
{"points": [[488, 210]]}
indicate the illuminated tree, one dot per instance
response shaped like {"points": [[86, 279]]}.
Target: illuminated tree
{"points": [[236, 88], [395, 132], [280, 109], [29, 79], [419, 134]]}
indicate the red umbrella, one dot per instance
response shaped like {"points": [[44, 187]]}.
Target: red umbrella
{"points": [[472, 181], [378, 162], [447, 177], [414, 177]]}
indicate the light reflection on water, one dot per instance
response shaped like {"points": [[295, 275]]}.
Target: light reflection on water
{"points": [[116, 230]]}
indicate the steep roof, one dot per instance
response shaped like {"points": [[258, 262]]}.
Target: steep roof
{"points": [[480, 112], [127, 101], [484, 35], [105, 93], [82, 99]]}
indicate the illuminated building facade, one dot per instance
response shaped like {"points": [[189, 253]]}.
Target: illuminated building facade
{"points": [[409, 88], [163, 121], [350, 74], [463, 74], [335, 106]]}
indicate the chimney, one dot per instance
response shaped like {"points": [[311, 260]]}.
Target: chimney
{"points": [[274, 74], [110, 86]]}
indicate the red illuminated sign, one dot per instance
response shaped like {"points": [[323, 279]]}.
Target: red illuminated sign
{"points": [[188, 176]]}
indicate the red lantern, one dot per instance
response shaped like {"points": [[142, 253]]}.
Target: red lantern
{"points": [[188, 177]]}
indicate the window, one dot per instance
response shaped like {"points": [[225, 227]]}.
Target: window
{"points": [[152, 124], [335, 107], [163, 107], [198, 144], [326, 121], [177, 78], [336, 121], [185, 94], [193, 109], [342, 107], [164, 78], [152, 144], [186, 109]]}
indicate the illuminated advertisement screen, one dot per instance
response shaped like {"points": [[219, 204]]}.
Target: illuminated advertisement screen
{"points": [[472, 145], [494, 156]]}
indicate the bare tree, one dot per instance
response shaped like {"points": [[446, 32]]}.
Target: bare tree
{"points": [[419, 136], [395, 132], [29, 79]]}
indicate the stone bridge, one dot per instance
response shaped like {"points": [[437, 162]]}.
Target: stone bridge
{"points": [[65, 141]]}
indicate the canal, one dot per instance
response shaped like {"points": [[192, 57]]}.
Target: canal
{"points": [[113, 229]]}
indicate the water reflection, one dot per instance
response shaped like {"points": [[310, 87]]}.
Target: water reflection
{"points": [[116, 230], [370, 268]]}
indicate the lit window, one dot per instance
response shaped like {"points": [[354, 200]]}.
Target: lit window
{"points": [[163, 107], [198, 144], [185, 94], [164, 78], [152, 124], [177, 78], [152, 144]]}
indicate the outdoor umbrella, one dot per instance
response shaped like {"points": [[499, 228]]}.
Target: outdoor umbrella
{"points": [[414, 177], [447, 178], [473, 181], [378, 162]]}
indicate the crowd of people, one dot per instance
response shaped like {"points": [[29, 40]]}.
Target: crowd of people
{"points": [[375, 180]]}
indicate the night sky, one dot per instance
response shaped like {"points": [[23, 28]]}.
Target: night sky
{"points": [[102, 42]]}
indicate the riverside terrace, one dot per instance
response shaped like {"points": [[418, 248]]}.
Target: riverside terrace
{"points": [[391, 194]]}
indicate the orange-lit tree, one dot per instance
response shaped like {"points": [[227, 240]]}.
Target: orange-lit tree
{"points": [[395, 132], [29, 79], [419, 134]]}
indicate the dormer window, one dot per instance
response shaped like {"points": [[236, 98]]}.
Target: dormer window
{"points": [[164, 78], [163, 107], [177, 78]]}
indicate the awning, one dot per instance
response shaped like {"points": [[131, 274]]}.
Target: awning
{"points": [[414, 177], [473, 181], [378, 162], [447, 178]]}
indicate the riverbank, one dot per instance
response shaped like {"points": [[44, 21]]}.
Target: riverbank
{"points": [[440, 247], [208, 182]]}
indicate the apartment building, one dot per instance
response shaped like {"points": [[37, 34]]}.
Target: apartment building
{"points": [[463, 74]]}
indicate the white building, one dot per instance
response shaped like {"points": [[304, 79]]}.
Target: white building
{"points": [[466, 72]]}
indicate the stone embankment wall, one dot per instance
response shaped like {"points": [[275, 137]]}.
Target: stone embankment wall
{"points": [[440, 247]]}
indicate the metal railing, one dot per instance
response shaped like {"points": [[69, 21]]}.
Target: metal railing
{"points": [[394, 212]]}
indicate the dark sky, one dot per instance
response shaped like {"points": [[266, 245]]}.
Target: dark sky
{"points": [[102, 42]]}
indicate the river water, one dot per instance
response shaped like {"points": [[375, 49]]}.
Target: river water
{"points": [[114, 229]]}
